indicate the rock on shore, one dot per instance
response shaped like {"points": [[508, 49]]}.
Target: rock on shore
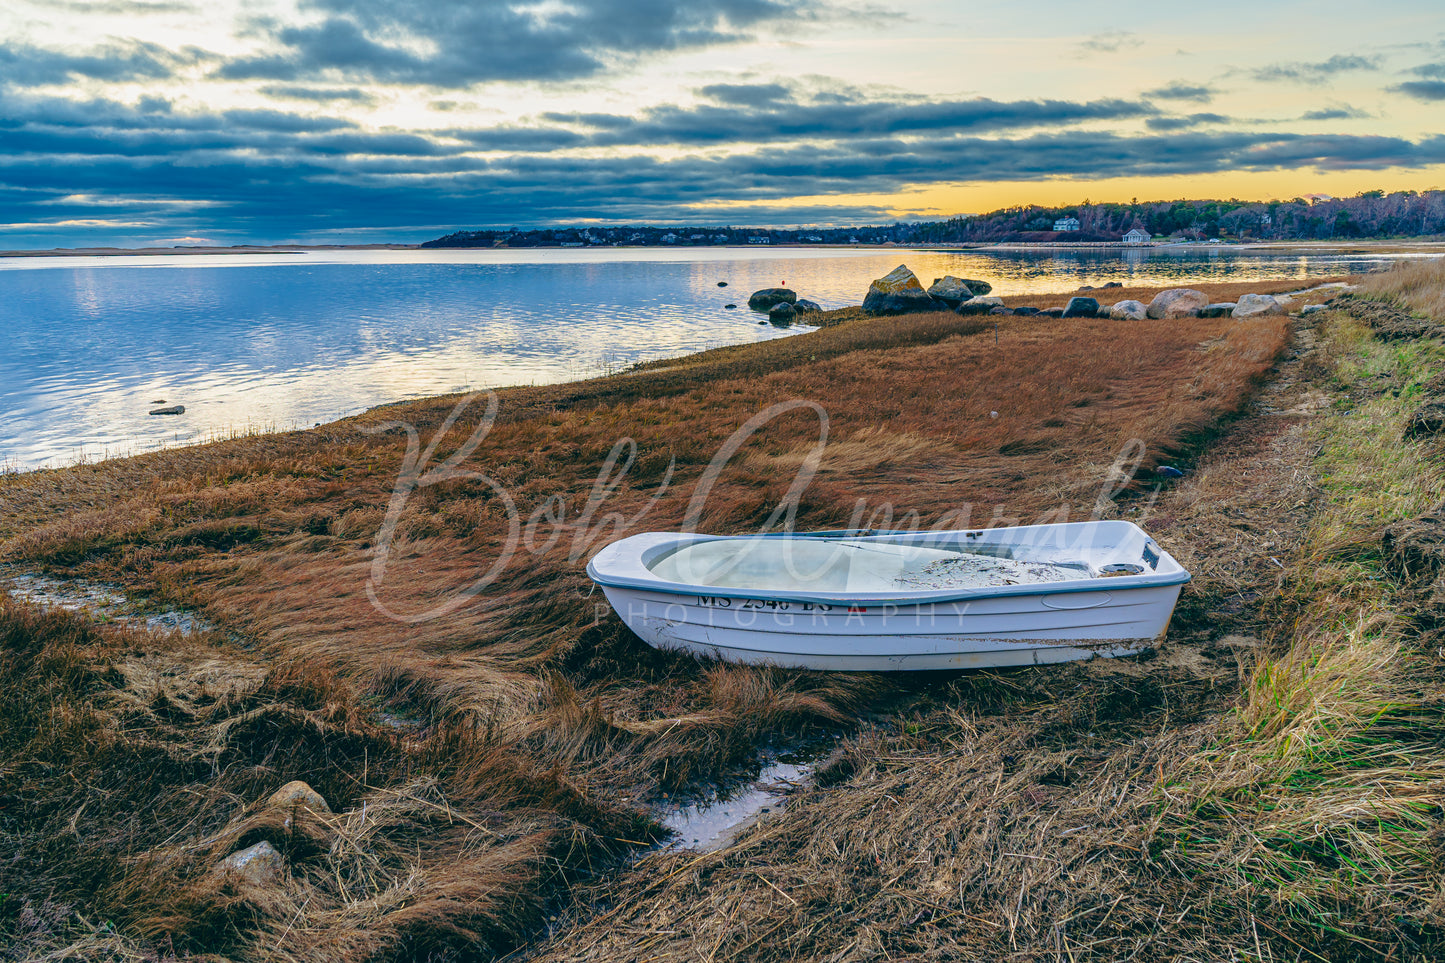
{"points": [[1129, 311], [1251, 305], [952, 291], [899, 292], [1177, 303]]}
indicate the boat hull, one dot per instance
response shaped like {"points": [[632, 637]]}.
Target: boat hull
{"points": [[986, 633]]}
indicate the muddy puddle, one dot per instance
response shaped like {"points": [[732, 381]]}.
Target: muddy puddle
{"points": [[104, 603], [712, 821]]}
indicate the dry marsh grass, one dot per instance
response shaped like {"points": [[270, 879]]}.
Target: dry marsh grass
{"points": [[483, 765]]}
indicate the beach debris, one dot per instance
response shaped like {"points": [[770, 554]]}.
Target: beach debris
{"points": [[1177, 303], [1252, 305], [899, 292], [979, 305], [765, 298], [1129, 311], [951, 291], [993, 414], [1169, 471], [1221, 309], [782, 314], [259, 865], [172, 410], [1081, 308]]}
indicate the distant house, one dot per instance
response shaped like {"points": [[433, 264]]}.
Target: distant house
{"points": [[668, 239], [1066, 224], [1137, 236], [571, 243], [759, 240]]}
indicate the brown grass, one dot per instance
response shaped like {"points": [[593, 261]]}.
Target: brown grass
{"points": [[534, 726]]}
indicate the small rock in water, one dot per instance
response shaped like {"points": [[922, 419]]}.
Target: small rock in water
{"points": [[730, 307], [722, 284], [172, 410]]}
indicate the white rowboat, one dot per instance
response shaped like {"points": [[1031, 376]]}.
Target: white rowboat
{"points": [[885, 601]]}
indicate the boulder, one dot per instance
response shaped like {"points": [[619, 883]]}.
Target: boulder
{"points": [[782, 314], [1310, 309], [1252, 305], [1221, 309], [1129, 311], [1113, 284], [1086, 287], [1027, 310], [1001, 311], [979, 305], [979, 288], [260, 865], [898, 292], [1052, 312], [1177, 303], [1081, 308], [805, 306], [950, 290], [767, 297], [172, 410]]}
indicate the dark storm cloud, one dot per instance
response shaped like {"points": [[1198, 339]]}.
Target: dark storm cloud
{"points": [[1180, 90], [1183, 123], [487, 40], [1427, 90], [1316, 73], [22, 65]]}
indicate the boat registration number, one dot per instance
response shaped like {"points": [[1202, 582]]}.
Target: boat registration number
{"points": [[764, 605]]}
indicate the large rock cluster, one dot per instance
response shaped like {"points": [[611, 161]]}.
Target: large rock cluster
{"points": [[900, 292]]}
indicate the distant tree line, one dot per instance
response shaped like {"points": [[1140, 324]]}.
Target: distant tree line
{"points": [[1371, 214]]}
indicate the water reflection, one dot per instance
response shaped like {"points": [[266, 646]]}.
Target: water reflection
{"points": [[276, 341]]}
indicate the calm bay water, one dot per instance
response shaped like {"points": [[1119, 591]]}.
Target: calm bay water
{"points": [[88, 345]]}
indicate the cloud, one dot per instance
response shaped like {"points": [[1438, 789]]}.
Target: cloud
{"points": [[1111, 41], [771, 112], [318, 94], [22, 65], [1427, 90], [125, 7], [1317, 73], [456, 43], [1341, 112], [1180, 90], [1182, 123]]}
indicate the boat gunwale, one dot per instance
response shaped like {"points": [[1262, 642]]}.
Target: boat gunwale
{"points": [[901, 598]]}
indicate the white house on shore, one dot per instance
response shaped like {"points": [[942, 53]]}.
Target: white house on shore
{"points": [[1066, 224], [1137, 236]]}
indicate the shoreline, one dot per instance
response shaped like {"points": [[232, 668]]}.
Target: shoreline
{"points": [[1366, 246]]}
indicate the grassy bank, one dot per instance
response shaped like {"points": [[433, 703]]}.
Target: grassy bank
{"points": [[483, 766]]}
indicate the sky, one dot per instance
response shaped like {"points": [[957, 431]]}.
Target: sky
{"points": [[171, 122]]}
